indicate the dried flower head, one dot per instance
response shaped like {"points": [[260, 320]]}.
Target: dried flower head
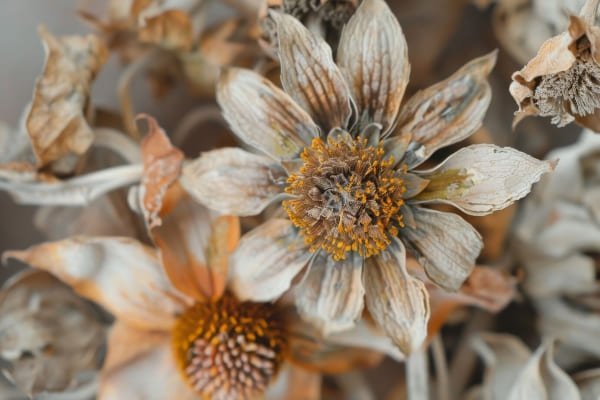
{"points": [[563, 80], [180, 331], [343, 158]]}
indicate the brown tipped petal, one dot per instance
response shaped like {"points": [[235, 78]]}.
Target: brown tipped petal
{"points": [[397, 301], [309, 74], [374, 57], [445, 245], [194, 244], [263, 115], [233, 181], [140, 365], [484, 178], [331, 295], [120, 274], [448, 111], [266, 261]]}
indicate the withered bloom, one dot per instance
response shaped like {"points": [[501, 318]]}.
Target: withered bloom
{"points": [[342, 156], [563, 80]]}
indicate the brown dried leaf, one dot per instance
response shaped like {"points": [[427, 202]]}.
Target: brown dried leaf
{"points": [[171, 30], [56, 122]]}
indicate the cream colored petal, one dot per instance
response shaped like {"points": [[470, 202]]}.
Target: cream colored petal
{"points": [[233, 181], [266, 260], [120, 274], [56, 121], [445, 245], [295, 383], [309, 74], [263, 115], [331, 295], [448, 111], [194, 245], [589, 384], [374, 57], [483, 178], [140, 365], [76, 191], [398, 302]]}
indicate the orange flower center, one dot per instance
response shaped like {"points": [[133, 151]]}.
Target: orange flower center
{"points": [[229, 349], [346, 197]]}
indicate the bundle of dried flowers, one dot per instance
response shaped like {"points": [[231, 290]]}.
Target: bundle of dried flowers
{"points": [[342, 157], [562, 80]]}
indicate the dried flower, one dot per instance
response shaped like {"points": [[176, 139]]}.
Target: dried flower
{"points": [[51, 339], [562, 80], [342, 156], [180, 332], [559, 241]]}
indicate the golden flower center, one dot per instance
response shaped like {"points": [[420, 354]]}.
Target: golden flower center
{"points": [[346, 197], [229, 349]]}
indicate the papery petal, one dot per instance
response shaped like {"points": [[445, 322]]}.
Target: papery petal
{"points": [[309, 74], [295, 383], [448, 111], [445, 245], [120, 274], [266, 260], [331, 295], [263, 115], [233, 181], [483, 178], [26, 188], [397, 301], [194, 244], [374, 57], [140, 365]]}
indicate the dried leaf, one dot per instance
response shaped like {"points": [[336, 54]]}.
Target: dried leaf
{"points": [[56, 121]]}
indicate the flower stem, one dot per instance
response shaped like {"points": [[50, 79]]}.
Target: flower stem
{"points": [[417, 382]]}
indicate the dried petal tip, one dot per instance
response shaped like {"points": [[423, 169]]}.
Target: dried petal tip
{"points": [[228, 349]]}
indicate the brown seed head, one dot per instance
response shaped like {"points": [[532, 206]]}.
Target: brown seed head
{"points": [[347, 197], [229, 349]]}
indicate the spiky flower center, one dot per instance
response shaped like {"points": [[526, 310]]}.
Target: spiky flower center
{"points": [[229, 349], [346, 197], [575, 91]]}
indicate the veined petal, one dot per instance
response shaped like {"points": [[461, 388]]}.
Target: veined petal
{"points": [[374, 57], [483, 178], [447, 112], [331, 295], [120, 274], [233, 181], [194, 245], [263, 115], [397, 301], [140, 365], [445, 245], [309, 74], [266, 260]]}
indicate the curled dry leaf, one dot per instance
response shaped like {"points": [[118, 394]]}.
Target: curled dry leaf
{"points": [[56, 122], [561, 81], [49, 336]]}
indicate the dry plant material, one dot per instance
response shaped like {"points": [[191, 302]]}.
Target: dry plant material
{"points": [[352, 191], [49, 337], [563, 80], [56, 121]]}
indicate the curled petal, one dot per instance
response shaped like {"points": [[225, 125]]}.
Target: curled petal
{"points": [[309, 74], [233, 181], [397, 301], [120, 274], [331, 295], [266, 261], [448, 111], [140, 365], [263, 115], [374, 56], [484, 178], [445, 245], [194, 245]]}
